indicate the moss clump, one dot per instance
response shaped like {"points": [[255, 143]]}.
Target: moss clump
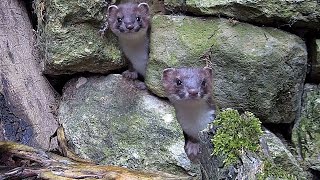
{"points": [[236, 133]]}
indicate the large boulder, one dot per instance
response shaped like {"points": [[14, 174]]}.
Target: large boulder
{"points": [[108, 120], [291, 13], [305, 134], [70, 40], [255, 68]]}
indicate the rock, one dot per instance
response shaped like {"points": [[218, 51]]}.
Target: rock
{"points": [[305, 134], [258, 69], [315, 62], [70, 40], [108, 120], [291, 13], [156, 6], [285, 164]]}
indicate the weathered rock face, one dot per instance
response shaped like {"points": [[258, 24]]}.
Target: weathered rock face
{"points": [[306, 135], [281, 156], [108, 120], [315, 69], [156, 6], [301, 13], [318, 50], [71, 40], [257, 69]]}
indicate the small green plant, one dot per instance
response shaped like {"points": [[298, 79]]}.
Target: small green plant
{"points": [[236, 133]]}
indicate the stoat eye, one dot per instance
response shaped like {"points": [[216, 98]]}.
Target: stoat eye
{"points": [[204, 83], [178, 82], [138, 18], [119, 20]]}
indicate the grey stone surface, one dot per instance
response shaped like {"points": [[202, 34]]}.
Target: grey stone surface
{"points": [[70, 40], [305, 134], [110, 121], [258, 69], [315, 61], [290, 13]]}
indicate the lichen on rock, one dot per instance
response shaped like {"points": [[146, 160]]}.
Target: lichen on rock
{"points": [[315, 60], [255, 68], [305, 134], [279, 162], [70, 39], [291, 13], [108, 120]]}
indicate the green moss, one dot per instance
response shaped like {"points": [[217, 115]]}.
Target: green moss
{"points": [[236, 133]]}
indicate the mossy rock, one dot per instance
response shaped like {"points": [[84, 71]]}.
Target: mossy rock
{"points": [[241, 149], [108, 120], [306, 134], [236, 133], [70, 40], [291, 13], [258, 69], [279, 162]]}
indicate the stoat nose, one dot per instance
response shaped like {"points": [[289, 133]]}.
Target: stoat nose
{"points": [[129, 26], [193, 92]]}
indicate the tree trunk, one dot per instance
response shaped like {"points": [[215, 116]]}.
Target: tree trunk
{"points": [[26, 111]]}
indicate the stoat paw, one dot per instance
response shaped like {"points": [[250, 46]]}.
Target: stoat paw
{"points": [[130, 74], [140, 85], [192, 150]]}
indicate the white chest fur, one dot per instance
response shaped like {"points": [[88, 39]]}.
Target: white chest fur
{"points": [[137, 53], [194, 118]]}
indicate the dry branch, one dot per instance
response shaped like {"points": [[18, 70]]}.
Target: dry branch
{"points": [[34, 162]]}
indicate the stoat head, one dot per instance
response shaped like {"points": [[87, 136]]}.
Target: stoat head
{"points": [[129, 20], [185, 84]]}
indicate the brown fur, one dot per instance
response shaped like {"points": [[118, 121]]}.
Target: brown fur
{"points": [[128, 12]]}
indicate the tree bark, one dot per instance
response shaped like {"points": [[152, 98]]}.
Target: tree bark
{"points": [[27, 93]]}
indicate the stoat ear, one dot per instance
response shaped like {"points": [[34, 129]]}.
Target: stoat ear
{"points": [[144, 7], [167, 73], [112, 10], [208, 71]]}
